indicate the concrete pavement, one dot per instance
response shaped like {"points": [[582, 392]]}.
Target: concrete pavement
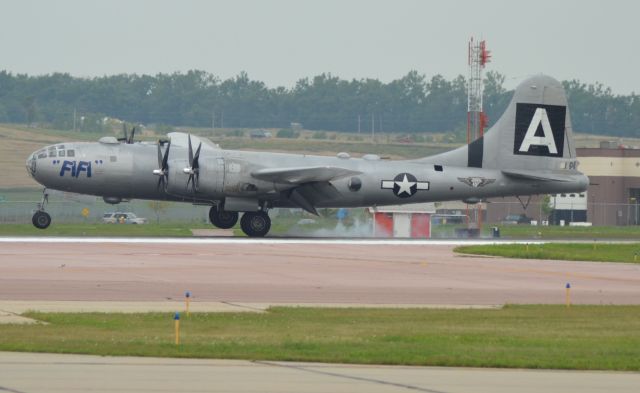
{"points": [[52, 373], [283, 271]]}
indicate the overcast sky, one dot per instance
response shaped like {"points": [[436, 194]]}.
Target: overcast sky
{"points": [[281, 41]]}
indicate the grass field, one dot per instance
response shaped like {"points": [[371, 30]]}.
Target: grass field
{"points": [[566, 232], [551, 337], [629, 253]]}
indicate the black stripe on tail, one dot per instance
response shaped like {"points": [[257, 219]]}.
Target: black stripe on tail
{"points": [[475, 152]]}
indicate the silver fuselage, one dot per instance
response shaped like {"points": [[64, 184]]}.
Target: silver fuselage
{"points": [[125, 171]]}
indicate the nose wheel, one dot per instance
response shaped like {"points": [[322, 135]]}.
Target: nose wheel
{"points": [[41, 219], [255, 224]]}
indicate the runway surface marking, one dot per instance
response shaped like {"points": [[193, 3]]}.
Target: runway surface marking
{"points": [[347, 376]]}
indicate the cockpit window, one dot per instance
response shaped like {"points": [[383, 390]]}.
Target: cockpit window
{"points": [[52, 153], [60, 153], [42, 154], [71, 153]]}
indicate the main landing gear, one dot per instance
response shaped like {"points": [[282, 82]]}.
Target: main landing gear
{"points": [[222, 218], [41, 219], [253, 224]]}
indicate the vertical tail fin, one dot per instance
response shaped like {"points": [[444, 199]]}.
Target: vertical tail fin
{"points": [[534, 133]]}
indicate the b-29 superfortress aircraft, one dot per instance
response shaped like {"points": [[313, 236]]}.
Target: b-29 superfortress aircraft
{"points": [[528, 151]]}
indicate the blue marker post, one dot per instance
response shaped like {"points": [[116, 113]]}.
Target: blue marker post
{"points": [[568, 295], [187, 300], [176, 318]]}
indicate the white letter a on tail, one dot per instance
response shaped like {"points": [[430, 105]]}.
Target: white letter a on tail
{"points": [[530, 138]]}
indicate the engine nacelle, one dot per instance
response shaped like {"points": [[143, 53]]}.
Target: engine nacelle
{"points": [[210, 178]]}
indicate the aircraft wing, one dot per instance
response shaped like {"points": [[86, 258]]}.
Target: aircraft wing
{"points": [[302, 175], [537, 175]]}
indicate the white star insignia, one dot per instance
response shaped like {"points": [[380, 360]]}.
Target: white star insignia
{"points": [[405, 185]]}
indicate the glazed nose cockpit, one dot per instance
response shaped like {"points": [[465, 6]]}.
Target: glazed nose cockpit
{"points": [[32, 165], [44, 160]]}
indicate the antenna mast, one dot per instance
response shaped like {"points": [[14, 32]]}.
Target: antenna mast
{"points": [[478, 57]]}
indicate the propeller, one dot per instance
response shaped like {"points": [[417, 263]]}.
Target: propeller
{"points": [[163, 163], [194, 167], [128, 139]]}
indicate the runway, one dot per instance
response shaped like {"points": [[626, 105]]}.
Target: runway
{"points": [[296, 271], [52, 373], [134, 275]]}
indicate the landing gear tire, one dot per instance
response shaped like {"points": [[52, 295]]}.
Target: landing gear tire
{"points": [[222, 218], [255, 224], [41, 220]]}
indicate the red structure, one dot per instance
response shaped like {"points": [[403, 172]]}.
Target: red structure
{"points": [[405, 221]]}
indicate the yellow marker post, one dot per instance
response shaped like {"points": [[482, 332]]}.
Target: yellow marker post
{"points": [[176, 318], [568, 295], [187, 300]]}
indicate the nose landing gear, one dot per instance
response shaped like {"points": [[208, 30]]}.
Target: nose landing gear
{"points": [[41, 219]]}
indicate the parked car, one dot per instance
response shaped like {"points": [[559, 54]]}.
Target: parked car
{"points": [[516, 219], [260, 134], [122, 218]]}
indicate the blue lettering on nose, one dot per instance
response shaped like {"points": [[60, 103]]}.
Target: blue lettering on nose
{"points": [[76, 168], [83, 166], [68, 166]]}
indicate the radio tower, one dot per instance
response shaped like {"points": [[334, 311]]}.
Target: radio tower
{"points": [[478, 57]]}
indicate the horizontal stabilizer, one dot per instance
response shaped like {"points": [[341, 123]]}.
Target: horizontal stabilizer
{"points": [[537, 176], [303, 175]]}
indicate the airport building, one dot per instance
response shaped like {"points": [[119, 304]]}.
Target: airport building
{"points": [[613, 196], [614, 190]]}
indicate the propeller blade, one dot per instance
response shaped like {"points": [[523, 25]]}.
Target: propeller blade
{"points": [[195, 164], [191, 181], [133, 132], [124, 131], [165, 159], [160, 159], [190, 153], [163, 163]]}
